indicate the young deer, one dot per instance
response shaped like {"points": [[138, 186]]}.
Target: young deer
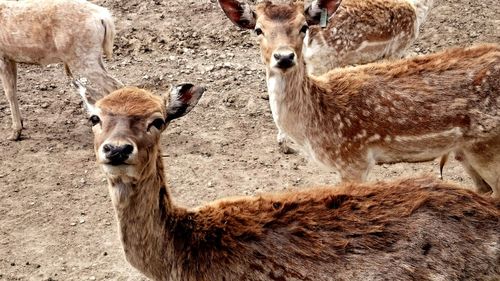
{"points": [[75, 32], [410, 110], [415, 229], [360, 31]]}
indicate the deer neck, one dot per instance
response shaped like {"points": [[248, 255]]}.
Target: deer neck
{"points": [[290, 99], [142, 207]]}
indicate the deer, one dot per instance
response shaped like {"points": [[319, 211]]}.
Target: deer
{"points": [[408, 229], [74, 32], [409, 110], [360, 31]]}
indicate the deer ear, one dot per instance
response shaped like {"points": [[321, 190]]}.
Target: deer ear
{"points": [[239, 13], [183, 98], [89, 96], [313, 12]]}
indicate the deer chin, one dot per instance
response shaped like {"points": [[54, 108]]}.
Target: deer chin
{"points": [[124, 171]]}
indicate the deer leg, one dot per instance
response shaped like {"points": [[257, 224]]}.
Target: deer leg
{"points": [[356, 171], [496, 188], [480, 184], [284, 144], [8, 75]]}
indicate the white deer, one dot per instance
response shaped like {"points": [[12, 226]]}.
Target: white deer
{"points": [[75, 32]]}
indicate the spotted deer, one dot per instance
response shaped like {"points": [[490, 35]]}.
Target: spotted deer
{"points": [[74, 32], [413, 229], [360, 31], [408, 110]]}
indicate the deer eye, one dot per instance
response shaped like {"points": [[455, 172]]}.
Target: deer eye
{"points": [[157, 123], [94, 119], [258, 31], [304, 28]]}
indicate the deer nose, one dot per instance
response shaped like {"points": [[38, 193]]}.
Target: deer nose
{"points": [[284, 60], [117, 154]]}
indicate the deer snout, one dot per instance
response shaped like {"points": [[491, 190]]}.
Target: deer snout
{"points": [[117, 154], [284, 59]]}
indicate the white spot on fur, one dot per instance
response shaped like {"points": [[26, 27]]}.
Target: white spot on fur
{"points": [[373, 138]]}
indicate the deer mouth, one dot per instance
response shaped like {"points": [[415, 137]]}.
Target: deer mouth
{"points": [[285, 65]]}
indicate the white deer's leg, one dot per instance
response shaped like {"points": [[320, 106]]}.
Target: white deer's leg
{"points": [[8, 75]]}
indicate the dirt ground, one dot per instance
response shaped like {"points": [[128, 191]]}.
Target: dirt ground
{"points": [[56, 219]]}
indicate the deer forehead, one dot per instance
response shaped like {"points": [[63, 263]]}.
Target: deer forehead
{"points": [[280, 14], [131, 101]]}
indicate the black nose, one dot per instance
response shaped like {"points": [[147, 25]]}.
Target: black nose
{"points": [[117, 154], [284, 61]]}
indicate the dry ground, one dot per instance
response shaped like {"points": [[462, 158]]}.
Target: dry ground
{"points": [[56, 220]]}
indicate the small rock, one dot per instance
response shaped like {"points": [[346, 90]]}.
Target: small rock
{"points": [[73, 224]]}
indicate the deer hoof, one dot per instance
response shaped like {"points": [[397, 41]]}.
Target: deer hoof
{"points": [[15, 135], [285, 149]]}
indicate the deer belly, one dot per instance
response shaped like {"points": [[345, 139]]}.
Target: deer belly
{"points": [[418, 148]]}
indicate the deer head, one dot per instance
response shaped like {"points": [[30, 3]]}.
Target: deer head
{"points": [[127, 125], [280, 28]]}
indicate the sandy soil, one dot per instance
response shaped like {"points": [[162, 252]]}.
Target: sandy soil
{"points": [[56, 219]]}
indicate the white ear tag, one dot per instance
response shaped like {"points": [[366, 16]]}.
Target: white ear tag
{"points": [[323, 20]]}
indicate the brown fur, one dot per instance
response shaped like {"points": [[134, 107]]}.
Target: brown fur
{"points": [[74, 32], [279, 12], [352, 118], [413, 229]]}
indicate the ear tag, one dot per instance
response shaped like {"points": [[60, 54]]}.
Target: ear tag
{"points": [[324, 18]]}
